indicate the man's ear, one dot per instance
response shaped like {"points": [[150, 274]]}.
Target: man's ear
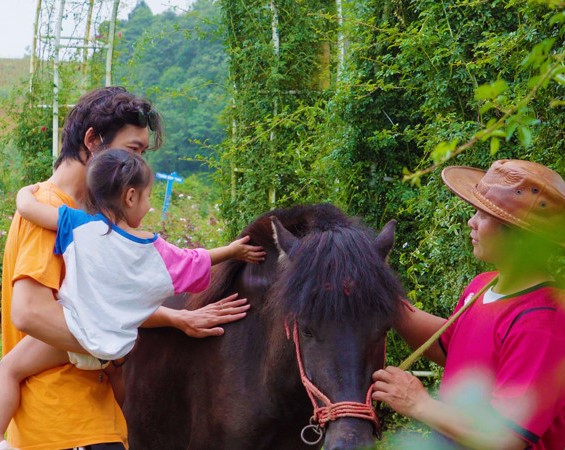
{"points": [[92, 140]]}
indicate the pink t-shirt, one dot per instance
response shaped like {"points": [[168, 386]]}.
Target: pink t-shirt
{"points": [[515, 348]]}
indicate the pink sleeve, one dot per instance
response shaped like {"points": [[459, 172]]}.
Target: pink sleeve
{"points": [[189, 268]]}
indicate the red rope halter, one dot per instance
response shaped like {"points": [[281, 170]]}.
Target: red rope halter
{"points": [[331, 411]]}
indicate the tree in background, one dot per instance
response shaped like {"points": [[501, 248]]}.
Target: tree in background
{"points": [[421, 82], [179, 62]]}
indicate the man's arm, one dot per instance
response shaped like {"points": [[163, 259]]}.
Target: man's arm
{"points": [[39, 213], [35, 312], [475, 428], [416, 327]]}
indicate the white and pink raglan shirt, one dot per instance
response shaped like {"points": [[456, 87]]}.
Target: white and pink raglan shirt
{"points": [[114, 281]]}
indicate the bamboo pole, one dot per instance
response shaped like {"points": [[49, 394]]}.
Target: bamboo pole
{"points": [[110, 52], [86, 41], [32, 57], [272, 194], [57, 43], [340, 39]]}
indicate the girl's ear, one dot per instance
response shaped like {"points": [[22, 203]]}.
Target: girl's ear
{"points": [[92, 140], [129, 197]]}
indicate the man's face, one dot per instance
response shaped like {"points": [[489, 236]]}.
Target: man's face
{"points": [[132, 138], [490, 238]]}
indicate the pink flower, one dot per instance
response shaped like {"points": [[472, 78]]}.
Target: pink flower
{"points": [[43, 129]]}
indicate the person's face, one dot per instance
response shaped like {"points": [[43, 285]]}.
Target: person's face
{"points": [[132, 138], [489, 237], [140, 204]]}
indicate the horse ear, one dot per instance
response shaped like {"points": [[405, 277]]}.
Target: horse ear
{"points": [[283, 238], [385, 239]]}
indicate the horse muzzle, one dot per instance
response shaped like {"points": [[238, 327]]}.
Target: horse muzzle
{"points": [[349, 434]]}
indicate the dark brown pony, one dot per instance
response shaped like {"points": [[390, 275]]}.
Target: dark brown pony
{"points": [[324, 284]]}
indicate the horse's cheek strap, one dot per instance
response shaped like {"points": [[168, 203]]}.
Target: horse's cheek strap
{"points": [[331, 411]]}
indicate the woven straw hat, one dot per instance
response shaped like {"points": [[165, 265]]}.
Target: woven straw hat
{"points": [[521, 193]]}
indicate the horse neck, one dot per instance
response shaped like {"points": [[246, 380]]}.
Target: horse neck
{"points": [[278, 365], [280, 372]]}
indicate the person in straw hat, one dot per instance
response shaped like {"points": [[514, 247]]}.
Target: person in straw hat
{"points": [[503, 385]]}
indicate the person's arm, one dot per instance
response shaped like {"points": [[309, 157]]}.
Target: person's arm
{"points": [[416, 327], [406, 395], [35, 312], [31, 209], [202, 322], [238, 249]]}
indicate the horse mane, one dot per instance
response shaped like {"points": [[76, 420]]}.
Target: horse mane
{"points": [[334, 271], [337, 274]]}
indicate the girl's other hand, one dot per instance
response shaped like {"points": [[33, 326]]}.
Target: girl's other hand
{"points": [[245, 252]]}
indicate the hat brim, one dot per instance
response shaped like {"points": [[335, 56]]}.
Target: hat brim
{"points": [[462, 181]]}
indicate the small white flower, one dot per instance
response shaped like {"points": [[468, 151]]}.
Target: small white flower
{"points": [[151, 209], [181, 195]]}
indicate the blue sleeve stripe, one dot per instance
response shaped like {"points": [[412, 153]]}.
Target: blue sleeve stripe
{"points": [[69, 219]]}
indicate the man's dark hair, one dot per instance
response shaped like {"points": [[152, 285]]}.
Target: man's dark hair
{"points": [[107, 110]]}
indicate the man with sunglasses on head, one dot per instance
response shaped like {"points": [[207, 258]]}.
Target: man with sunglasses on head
{"points": [[65, 407]]}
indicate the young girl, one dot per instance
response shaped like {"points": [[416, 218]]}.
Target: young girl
{"points": [[116, 276]]}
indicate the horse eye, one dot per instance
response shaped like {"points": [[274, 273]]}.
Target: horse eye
{"points": [[306, 332]]}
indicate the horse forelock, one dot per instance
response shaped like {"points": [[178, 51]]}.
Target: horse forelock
{"points": [[336, 273]]}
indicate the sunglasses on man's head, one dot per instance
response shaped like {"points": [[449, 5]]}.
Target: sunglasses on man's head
{"points": [[149, 118]]}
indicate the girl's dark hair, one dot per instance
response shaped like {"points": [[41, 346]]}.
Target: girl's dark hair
{"points": [[107, 110], [109, 174]]}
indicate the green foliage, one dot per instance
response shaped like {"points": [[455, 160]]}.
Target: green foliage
{"points": [[424, 82], [27, 131], [177, 61], [280, 94], [193, 216], [33, 137]]}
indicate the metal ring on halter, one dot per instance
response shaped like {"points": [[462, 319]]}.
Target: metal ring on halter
{"points": [[316, 429]]}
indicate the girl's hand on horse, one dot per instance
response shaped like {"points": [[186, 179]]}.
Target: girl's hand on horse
{"points": [[205, 321], [399, 389], [245, 252]]}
